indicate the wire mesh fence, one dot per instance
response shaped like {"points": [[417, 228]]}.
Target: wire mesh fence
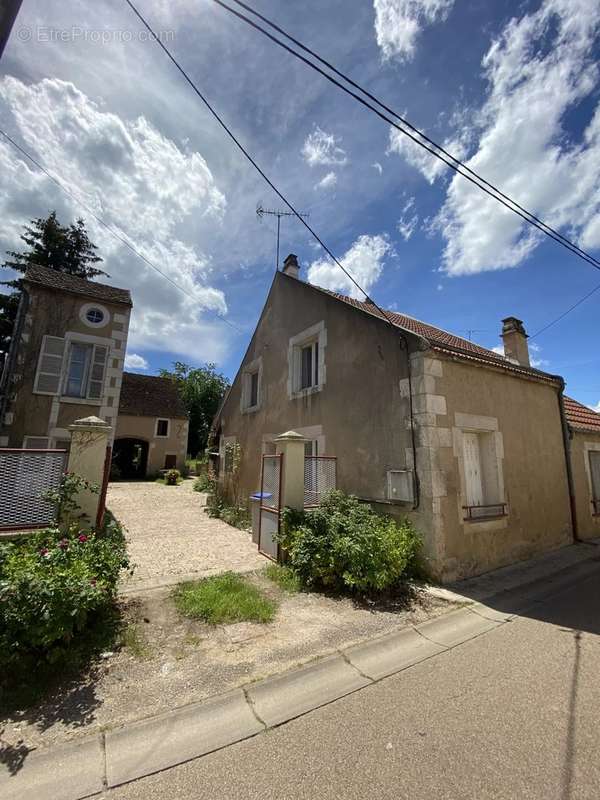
{"points": [[25, 475], [320, 477], [271, 481]]}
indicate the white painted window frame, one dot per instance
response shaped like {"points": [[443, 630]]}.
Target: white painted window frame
{"points": [[253, 368], [316, 333], [27, 446], [87, 307], [39, 371], [74, 337], [590, 447]]}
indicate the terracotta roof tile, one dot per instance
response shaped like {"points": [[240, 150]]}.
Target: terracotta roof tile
{"points": [[150, 396], [62, 281], [442, 340], [581, 417]]}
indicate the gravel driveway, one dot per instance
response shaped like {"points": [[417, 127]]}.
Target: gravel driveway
{"points": [[170, 538]]}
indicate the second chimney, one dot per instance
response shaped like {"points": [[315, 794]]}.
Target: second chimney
{"points": [[290, 266], [515, 341]]}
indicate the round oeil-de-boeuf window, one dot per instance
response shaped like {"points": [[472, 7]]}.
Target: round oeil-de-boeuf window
{"points": [[95, 316]]}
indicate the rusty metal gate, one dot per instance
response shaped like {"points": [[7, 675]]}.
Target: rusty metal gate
{"points": [[270, 505], [320, 477], [25, 475]]}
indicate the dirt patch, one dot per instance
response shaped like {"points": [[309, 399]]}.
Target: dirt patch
{"points": [[166, 660]]}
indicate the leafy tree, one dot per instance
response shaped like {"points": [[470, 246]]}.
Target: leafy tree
{"points": [[49, 244], [202, 389]]}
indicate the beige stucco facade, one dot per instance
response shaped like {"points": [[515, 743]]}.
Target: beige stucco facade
{"points": [[159, 447], [360, 413], [581, 444]]}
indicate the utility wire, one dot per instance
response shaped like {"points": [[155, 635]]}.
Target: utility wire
{"points": [[435, 149], [564, 314], [418, 137], [111, 230], [241, 147]]}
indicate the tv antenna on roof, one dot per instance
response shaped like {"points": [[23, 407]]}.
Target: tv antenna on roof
{"points": [[260, 212]]}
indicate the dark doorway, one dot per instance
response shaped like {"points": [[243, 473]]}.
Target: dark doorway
{"points": [[129, 460]]}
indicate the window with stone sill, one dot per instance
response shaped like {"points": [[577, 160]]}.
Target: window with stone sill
{"points": [[594, 457], [306, 361], [251, 386], [482, 479]]}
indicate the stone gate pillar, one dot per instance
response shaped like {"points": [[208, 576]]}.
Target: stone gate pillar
{"points": [[291, 446], [89, 440]]}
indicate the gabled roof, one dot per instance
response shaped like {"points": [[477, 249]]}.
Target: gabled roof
{"points": [[151, 396], [63, 282], [581, 417], [442, 340]]}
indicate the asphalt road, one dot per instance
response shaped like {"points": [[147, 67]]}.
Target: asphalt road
{"points": [[512, 714]]}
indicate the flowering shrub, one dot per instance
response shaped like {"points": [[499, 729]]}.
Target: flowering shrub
{"points": [[172, 477], [64, 501], [52, 583], [344, 545]]}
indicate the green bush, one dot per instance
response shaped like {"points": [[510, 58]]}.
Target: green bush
{"points": [[344, 545], [52, 584], [237, 516]]}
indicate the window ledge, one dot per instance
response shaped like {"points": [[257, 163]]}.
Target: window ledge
{"points": [[81, 401], [385, 502], [251, 409], [305, 392], [485, 518]]}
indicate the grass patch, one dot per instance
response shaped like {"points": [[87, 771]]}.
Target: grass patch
{"points": [[223, 599], [284, 577]]}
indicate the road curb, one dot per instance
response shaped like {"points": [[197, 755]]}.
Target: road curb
{"points": [[89, 766]]}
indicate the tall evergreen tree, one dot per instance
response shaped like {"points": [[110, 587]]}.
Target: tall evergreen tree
{"points": [[49, 244]]}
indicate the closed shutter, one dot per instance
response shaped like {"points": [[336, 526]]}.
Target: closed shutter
{"points": [[473, 480], [96, 382], [47, 379], [595, 471]]}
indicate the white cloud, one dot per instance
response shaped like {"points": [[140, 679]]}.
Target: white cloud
{"points": [[328, 182], [142, 184], [541, 67], [364, 260], [399, 22], [537, 363], [323, 148], [499, 349], [408, 221], [428, 165], [596, 408], [135, 361], [378, 167]]}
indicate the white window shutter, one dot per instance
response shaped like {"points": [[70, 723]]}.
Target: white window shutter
{"points": [[97, 370], [47, 379]]}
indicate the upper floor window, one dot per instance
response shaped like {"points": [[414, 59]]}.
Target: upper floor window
{"points": [[95, 316], [162, 428], [306, 361], [251, 386], [85, 371]]}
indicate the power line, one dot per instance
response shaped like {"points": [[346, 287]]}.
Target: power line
{"points": [[564, 314], [241, 147], [423, 140], [111, 230]]}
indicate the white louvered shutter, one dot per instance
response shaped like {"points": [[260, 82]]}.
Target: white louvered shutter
{"points": [[595, 470], [47, 379], [97, 370]]}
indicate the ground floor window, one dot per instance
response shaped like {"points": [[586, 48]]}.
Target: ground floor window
{"points": [[483, 496]]}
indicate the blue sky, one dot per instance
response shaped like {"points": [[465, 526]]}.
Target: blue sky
{"points": [[513, 88]]}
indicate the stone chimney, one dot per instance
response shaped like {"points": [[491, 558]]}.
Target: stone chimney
{"points": [[515, 341], [290, 266]]}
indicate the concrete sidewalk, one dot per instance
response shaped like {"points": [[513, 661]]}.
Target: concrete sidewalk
{"points": [[148, 746]]}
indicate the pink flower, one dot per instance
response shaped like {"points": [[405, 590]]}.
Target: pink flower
{"points": [[93, 582], [44, 552], [63, 544], [82, 538]]}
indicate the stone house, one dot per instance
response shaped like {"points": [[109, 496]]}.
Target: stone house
{"points": [[66, 363], [152, 427], [584, 448], [471, 445]]}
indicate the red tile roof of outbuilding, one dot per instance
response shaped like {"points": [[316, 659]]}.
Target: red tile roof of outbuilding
{"points": [[581, 417]]}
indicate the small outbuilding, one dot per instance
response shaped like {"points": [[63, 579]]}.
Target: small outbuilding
{"points": [[152, 427]]}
